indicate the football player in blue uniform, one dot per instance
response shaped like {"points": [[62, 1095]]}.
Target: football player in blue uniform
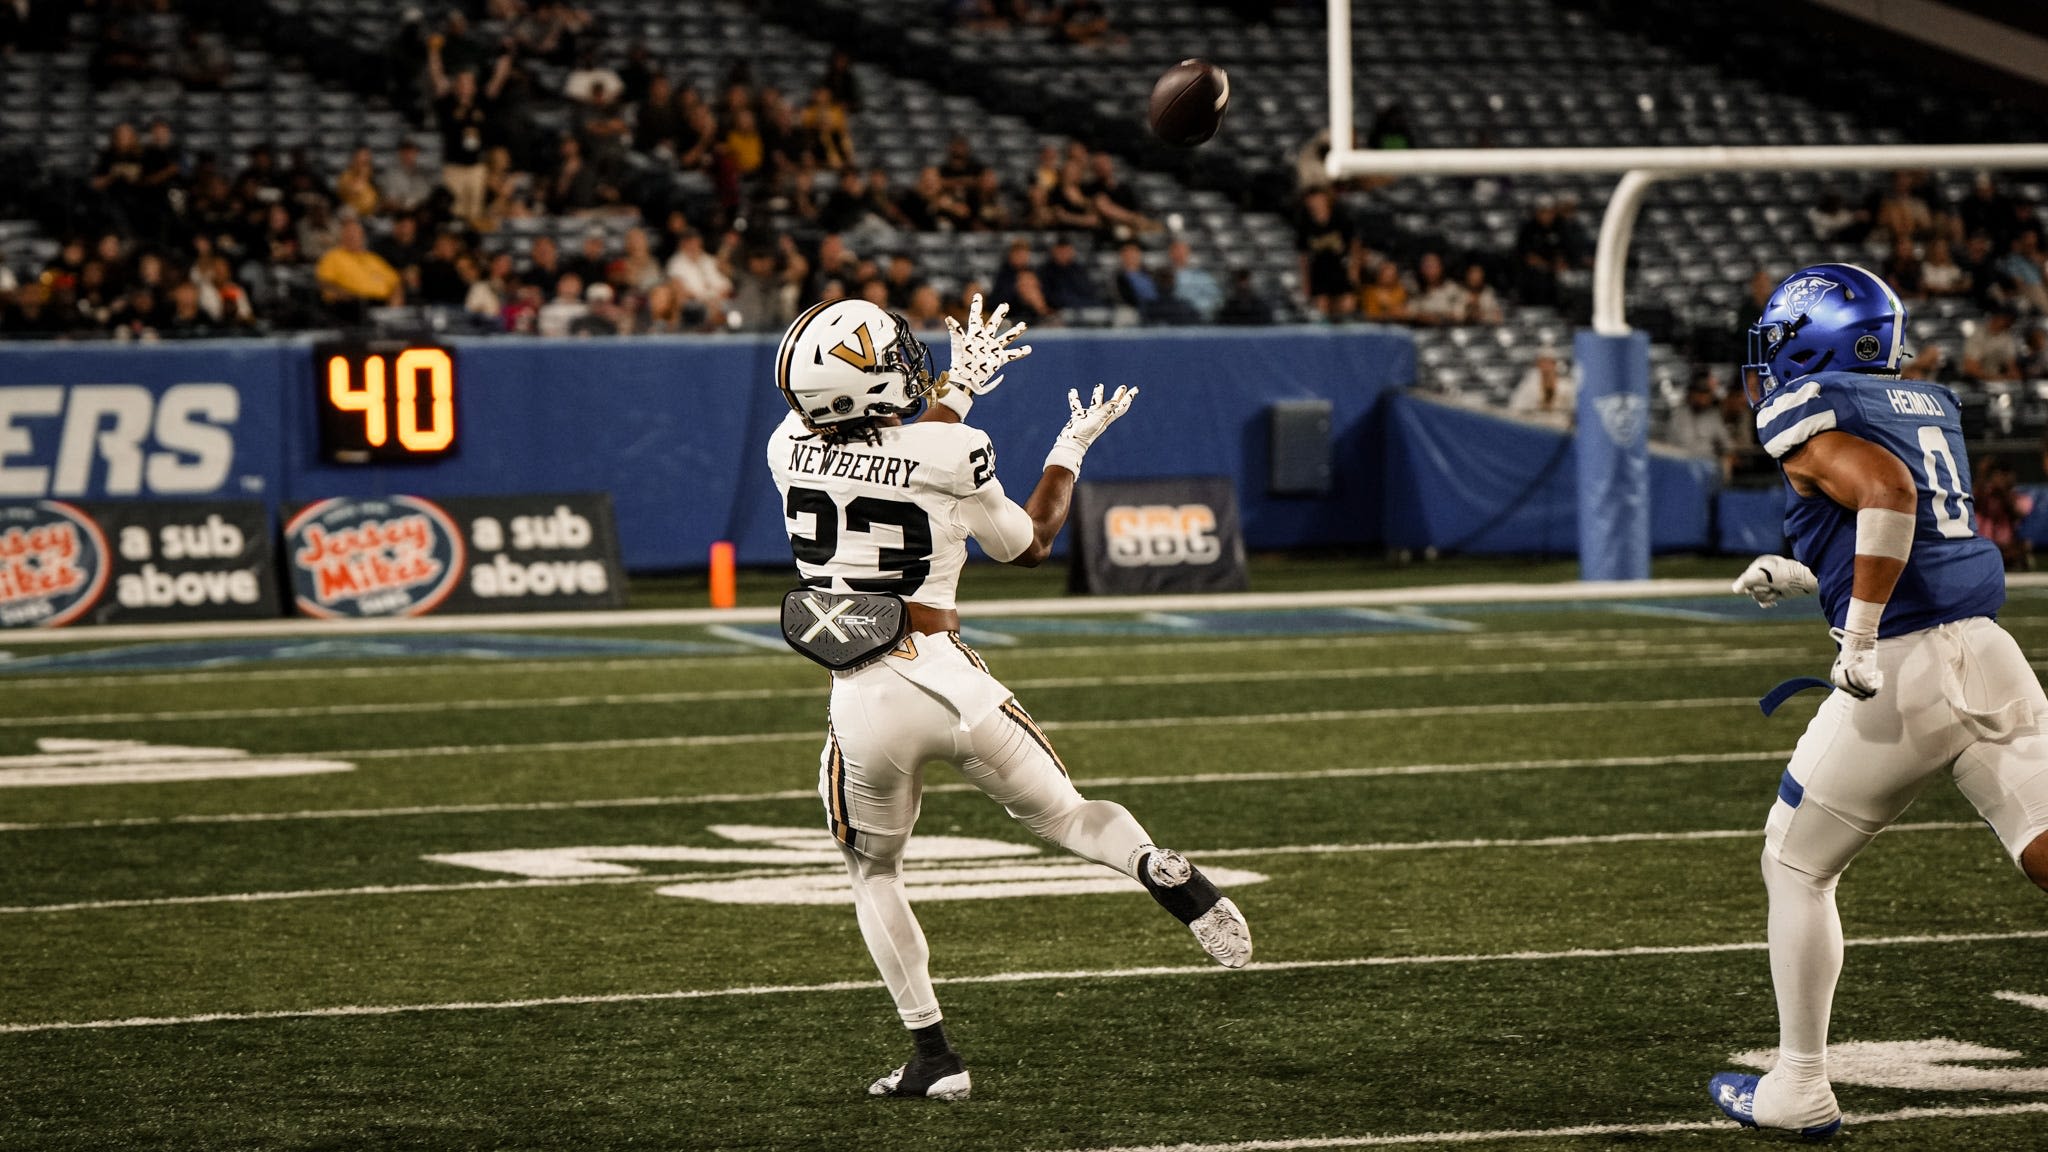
{"points": [[1927, 683]]}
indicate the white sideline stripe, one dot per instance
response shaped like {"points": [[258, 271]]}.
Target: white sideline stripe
{"points": [[1500, 593], [812, 793], [1215, 853], [1503, 1134], [2027, 999], [1003, 978], [1737, 658]]}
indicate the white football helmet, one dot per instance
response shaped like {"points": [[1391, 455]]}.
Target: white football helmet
{"points": [[850, 360]]}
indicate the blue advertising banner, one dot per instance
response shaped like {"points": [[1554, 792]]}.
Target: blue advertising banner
{"points": [[190, 421]]}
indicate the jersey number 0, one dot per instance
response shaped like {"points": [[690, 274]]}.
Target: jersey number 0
{"points": [[913, 559]]}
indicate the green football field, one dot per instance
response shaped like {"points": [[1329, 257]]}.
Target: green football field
{"points": [[572, 890]]}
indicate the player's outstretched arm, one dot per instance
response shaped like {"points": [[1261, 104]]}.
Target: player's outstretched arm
{"points": [[1862, 476], [1024, 536]]}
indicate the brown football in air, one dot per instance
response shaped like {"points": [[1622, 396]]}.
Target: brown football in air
{"points": [[1188, 102]]}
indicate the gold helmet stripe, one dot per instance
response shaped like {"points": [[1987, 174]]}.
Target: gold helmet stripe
{"points": [[788, 354]]}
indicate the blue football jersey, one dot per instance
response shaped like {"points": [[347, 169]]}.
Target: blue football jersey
{"points": [[1953, 573]]}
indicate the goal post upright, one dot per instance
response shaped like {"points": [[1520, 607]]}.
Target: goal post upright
{"points": [[1613, 359]]}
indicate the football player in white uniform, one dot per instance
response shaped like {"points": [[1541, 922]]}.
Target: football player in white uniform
{"points": [[881, 490]]}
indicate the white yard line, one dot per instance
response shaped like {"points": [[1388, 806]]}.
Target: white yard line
{"points": [[1524, 957], [1603, 640], [1169, 780], [1425, 1139], [1735, 658], [1200, 854]]}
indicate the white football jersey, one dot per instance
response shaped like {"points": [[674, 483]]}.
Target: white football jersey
{"points": [[892, 516]]}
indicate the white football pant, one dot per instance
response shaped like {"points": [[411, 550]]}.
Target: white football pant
{"points": [[884, 729], [1959, 699]]}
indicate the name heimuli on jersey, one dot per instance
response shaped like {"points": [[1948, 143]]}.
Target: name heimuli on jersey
{"points": [[848, 464], [1907, 402]]}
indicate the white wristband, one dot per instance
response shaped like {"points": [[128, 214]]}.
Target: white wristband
{"points": [[1065, 454], [956, 398], [1862, 617], [1884, 532]]}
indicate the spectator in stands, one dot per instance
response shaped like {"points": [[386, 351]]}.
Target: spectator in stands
{"points": [[840, 80], [1929, 362], [573, 186], [402, 248], [1070, 204], [441, 281], [874, 291], [1066, 280], [1481, 306], [1542, 251], [766, 289], [1940, 275], [961, 169], [592, 262], [1991, 351], [356, 187], [602, 128], [567, 307], [489, 293], [1245, 305], [601, 314], [1987, 209], [1437, 299], [2034, 353], [846, 207], [1192, 284], [1903, 213], [118, 172], [1902, 270], [743, 149], [901, 281], [1080, 22], [925, 313], [463, 115], [1016, 262], [827, 128], [1169, 307], [697, 148], [2001, 506], [661, 312], [1029, 304], [508, 193], [1385, 298], [590, 77], [406, 187], [883, 203], [783, 142], [1546, 392], [1832, 219], [990, 204], [1330, 254], [636, 269], [1115, 202], [2022, 269], [932, 207], [658, 121], [544, 264], [1981, 264], [1696, 428], [835, 261], [200, 63], [1135, 288], [319, 230], [701, 278], [350, 275]]}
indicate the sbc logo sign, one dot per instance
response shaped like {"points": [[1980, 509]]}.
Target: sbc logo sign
{"points": [[1161, 535]]}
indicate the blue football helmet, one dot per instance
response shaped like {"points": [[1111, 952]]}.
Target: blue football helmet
{"points": [[1827, 317]]}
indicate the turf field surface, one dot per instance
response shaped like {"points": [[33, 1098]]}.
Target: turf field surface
{"points": [[1500, 865]]}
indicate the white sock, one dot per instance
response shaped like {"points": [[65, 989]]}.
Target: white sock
{"points": [[1806, 961]]}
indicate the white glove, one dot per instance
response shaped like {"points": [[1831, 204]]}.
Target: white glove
{"points": [[1769, 579], [1856, 671], [1086, 424], [980, 352]]}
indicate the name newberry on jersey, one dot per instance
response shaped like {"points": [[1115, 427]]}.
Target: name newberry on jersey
{"points": [[842, 463]]}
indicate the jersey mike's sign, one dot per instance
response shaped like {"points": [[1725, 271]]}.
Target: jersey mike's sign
{"points": [[1179, 534], [408, 556], [63, 563]]}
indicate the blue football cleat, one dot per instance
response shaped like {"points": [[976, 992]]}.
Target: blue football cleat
{"points": [[1734, 1094]]}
